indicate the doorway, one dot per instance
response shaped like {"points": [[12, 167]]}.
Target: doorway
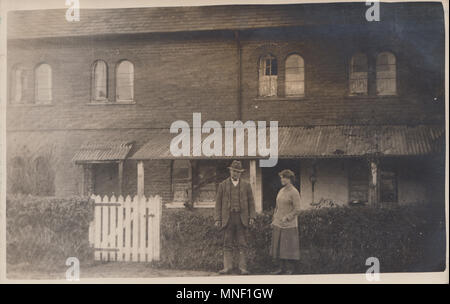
{"points": [[271, 180]]}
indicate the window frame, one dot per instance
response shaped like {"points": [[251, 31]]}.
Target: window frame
{"points": [[93, 82], [13, 86], [395, 71], [117, 99], [38, 101], [351, 73], [271, 79], [285, 76], [393, 177], [177, 181]]}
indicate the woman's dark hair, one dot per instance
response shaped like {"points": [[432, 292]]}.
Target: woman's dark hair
{"points": [[287, 174]]}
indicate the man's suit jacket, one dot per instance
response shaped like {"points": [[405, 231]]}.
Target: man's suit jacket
{"points": [[223, 204]]}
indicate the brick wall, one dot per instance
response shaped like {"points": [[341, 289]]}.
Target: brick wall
{"points": [[174, 76], [177, 74], [327, 55]]}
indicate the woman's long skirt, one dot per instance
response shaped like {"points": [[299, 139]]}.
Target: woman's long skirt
{"points": [[285, 243]]}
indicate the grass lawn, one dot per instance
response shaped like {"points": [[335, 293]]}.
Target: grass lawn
{"points": [[97, 270]]}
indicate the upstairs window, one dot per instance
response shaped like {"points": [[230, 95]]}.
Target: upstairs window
{"points": [[358, 75], [386, 74], [268, 76], [295, 76], [18, 85], [43, 84], [125, 81], [99, 81]]}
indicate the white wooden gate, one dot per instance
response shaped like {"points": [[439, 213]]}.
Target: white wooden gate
{"points": [[126, 229]]}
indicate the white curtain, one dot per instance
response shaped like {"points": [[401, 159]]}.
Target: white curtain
{"points": [[358, 74], [18, 85], [125, 81], [386, 74], [99, 86], [295, 76], [268, 76], [43, 84]]}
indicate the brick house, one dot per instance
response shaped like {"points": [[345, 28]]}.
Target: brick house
{"points": [[360, 105]]}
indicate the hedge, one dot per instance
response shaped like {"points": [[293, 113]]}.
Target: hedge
{"points": [[45, 231], [332, 240]]}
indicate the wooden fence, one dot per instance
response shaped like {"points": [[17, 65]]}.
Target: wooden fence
{"points": [[126, 229]]}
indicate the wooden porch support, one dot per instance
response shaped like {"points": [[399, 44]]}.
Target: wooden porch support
{"points": [[190, 194], [120, 178], [87, 180], [256, 183], [374, 185], [140, 178]]}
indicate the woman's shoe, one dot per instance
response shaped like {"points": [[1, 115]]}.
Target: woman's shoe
{"points": [[289, 272], [244, 272], [277, 271], [290, 267]]}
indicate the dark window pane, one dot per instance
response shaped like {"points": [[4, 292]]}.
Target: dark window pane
{"points": [[274, 65], [267, 72], [388, 187]]}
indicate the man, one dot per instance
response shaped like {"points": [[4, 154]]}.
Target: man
{"points": [[234, 213]]}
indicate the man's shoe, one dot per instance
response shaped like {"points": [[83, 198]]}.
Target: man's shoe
{"points": [[225, 271], [244, 271], [277, 271]]}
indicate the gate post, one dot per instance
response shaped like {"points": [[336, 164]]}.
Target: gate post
{"points": [[140, 178]]}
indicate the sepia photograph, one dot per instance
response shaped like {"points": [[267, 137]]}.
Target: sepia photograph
{"points": [[224, 141]]}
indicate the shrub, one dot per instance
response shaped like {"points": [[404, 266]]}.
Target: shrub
{"points": [[332, 240], [31, 174], [47, 230]]}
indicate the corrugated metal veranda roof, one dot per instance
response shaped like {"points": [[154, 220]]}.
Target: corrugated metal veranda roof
{"points": [[324, 141], [102, 152]]}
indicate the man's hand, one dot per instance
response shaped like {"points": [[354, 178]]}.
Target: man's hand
{"points": [[218, 224], [251, 222]]}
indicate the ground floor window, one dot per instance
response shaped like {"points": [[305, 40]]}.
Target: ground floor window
{"points": [[196, 181], [204, 187], [388, 185], [359, 176], [181, 180], [358, 181], [207, 174], [105, 178]]}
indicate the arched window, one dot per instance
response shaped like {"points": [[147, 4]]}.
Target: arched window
{"points": [[386, 74], [99, 81], [295, 76], [358, 74], [125, 81], [268, 75], [18, 85], [43, 84]]}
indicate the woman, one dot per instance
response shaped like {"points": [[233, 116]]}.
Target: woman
{"points": [[285, 241]]}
